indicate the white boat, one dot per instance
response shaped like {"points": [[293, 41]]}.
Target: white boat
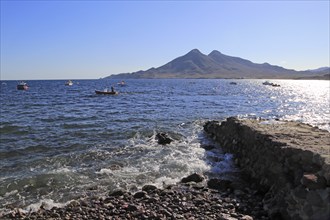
{"points": [[22, 85], [267, 83], [122, 83], [69, 83]]}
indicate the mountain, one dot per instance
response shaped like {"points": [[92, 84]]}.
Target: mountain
{"points": [[321, 69], [215, 65]]}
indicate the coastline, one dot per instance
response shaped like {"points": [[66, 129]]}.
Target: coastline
{"points": [[192, 198], [288, 161], [284, 174]]}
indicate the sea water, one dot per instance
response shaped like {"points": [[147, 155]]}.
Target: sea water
{"points": [[59, 143]]}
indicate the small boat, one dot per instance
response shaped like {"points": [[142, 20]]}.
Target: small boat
{"points": [[22, 86], [233, 83], [106, 92], [122, 83], [69, 83], [267, 83], [271, 84]]}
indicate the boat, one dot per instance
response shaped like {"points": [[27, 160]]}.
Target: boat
{"points": [[69, 83], [233, 83], [271, 84], [106, 92], [267, 83], [22, 85], [122, 83]]}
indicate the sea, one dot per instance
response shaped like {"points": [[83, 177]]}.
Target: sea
{"points": [[61, 143]]}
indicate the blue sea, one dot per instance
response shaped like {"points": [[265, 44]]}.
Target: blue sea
{"points": [[60, 143]]}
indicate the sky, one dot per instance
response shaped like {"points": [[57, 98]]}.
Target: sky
{"points": [[94, 39]]}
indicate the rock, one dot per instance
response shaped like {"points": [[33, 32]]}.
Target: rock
{"points": [[115, 167], [118, 192], [246, 217], [139, 195], [163, 138], [149, 188], [219, 184], [193, 178], [208, 147], [132, 207]]}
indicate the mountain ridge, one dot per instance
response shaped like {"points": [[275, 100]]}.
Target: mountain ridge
{"points": [[195, 64]]}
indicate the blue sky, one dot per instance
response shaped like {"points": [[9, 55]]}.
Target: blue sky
{"points": [[93, 39]]}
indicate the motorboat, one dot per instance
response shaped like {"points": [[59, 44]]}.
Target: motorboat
{"points": [[122, 83], [22, 85], [267, 83], [69, 83]]}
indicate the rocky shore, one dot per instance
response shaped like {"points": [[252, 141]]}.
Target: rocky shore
{"points": [[193, 198], [288, 161], [284, 174]]}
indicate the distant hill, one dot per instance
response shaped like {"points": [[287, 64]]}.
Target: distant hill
{"points": [[217, 65], [321, 69]]}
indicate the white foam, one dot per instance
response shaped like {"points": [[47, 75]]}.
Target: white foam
{"points": [[10, 193], [61, 170], [105, 171], [45, 203], [270, 122]]}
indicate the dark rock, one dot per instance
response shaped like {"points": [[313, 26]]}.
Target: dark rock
{"points": [[208, 147], [149, 188], [115, 167], [193, 178], [163, 138], [139, 195], [118, 192], [132, 207]]}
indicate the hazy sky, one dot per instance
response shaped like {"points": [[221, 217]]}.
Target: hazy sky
{"points": [[93, 39]]}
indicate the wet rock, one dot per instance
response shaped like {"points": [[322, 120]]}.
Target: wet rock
{"points": [[118, 192], [208, 147], [149, 188], [132, 207], [140, 194], [193, 178], [163, 138], [115, 167]]}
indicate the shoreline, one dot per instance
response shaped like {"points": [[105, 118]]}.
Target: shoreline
{"points": [[193, 198], [283, 174], [289, 161]]}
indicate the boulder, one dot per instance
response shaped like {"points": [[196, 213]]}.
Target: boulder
{"points": [[140, 194], [193, 178], [163, 138], [118, 192], [149, 188]]}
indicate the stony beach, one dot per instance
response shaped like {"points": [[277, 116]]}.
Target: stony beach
{"points": [[193, 198]]}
